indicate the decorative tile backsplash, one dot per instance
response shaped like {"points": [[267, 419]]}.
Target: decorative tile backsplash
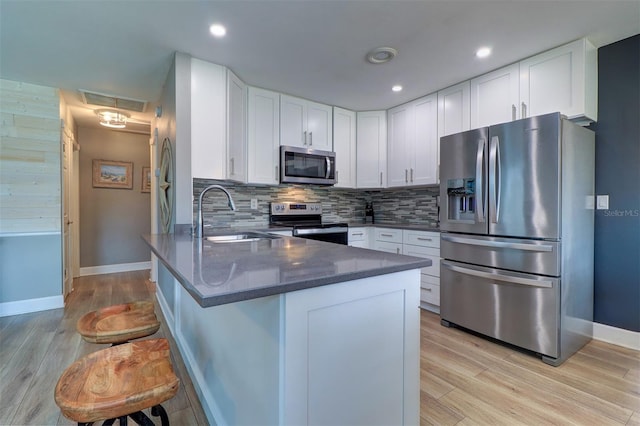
{"points": [[393, 205]]}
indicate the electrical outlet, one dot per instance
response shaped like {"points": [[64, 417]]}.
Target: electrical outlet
{"points": [[254, 204]]}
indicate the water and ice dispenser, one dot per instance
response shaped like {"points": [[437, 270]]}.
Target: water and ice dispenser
{"points": [[461, 199]]}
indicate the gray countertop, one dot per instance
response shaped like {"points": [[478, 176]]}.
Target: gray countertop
{"points": [[216, 274]]}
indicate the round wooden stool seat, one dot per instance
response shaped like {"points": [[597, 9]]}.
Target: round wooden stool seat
{"points": [[117, 381], [119, 323]]}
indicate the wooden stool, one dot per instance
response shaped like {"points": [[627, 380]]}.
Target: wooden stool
{"points": [[117, 382], [119, 323]]}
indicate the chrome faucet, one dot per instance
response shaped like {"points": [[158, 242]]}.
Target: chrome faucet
{"points": [[200, 229]]}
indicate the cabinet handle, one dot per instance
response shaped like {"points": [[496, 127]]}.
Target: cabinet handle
{"points": [[424, 239], [232, 166], [513, 112], [277, 176], [386, 235], [398, 250], [337, 176], [310, 138], [304, 142], [427, 289], [524, 110], [357, 233], [380, 178], [411, 174], [406, 176]]}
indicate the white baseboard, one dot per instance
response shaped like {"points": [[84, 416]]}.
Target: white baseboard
{"points": [[112, 269], [616, 336], [31, 305]]}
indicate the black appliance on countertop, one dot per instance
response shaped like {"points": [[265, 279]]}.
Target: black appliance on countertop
{"points": [[306, 221]]}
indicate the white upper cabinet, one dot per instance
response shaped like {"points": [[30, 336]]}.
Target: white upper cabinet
{"points": [[208, 120], [454, 109], [305, 123], [562, 79], [263, 133], [236, 128], [371, 149], [344, 145], [495, 97], [412, 153]]}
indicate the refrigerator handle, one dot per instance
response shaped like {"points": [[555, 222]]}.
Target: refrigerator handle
{"points": [[479, 182], [494, 179], [498, 277]]}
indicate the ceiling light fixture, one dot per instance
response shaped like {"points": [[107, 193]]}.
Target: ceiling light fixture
{"points": [[217, 30], [397, 88], [112, 119], [381, 55], [483, 52]]}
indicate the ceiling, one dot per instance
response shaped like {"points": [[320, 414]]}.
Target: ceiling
{"points": [[309, 48]]}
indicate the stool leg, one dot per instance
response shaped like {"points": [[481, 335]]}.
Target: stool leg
{"points": [[158, 410], [140, 418], [109, 422], [85, 424], [123, 421]]}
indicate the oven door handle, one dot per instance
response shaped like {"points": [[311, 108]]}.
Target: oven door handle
{"points": [[316, 231]]}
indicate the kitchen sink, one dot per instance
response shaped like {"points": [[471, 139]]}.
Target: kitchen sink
{"points": [[242, 237]]}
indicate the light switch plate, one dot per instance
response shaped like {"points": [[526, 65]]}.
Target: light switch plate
{"points": [[602, 202]]}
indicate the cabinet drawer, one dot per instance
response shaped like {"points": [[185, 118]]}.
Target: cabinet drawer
{"points": [[430, 293], [427, 253], [422, 238], [389, 235], [358, 234], [388, 247]]}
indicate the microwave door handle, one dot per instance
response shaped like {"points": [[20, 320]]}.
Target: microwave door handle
{"points": [[480, 217], [328, 160]]}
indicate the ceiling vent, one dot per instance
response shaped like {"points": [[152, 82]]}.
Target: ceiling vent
{"points": [[100, 99]]}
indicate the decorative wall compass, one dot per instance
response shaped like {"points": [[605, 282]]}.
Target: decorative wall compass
{"points": [[165, 185]]}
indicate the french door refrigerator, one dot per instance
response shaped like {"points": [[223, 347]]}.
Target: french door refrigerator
{"points": [[517, 233]]}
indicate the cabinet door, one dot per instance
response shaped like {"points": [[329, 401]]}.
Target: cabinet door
{"points": [[495, 97], [208, 126], [371, 149], [236, 128], [319, 126], [423, 168], [344, 145], [293, 130], [401, 125], [562, 79], [263, 133], [454, 109]]}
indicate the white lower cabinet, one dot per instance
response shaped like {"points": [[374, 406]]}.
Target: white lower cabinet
{"points": [[388, 240], [427, 245], [359, 237]]}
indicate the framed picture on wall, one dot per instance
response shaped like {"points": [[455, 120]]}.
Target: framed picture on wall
{"points": [[112, 174], [146, 179]]}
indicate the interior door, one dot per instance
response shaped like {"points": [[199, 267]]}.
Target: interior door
{"points": [[67, 240], [524, 178]]}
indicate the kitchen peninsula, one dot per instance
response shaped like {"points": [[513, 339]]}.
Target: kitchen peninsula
{"points": [[293, 331]]}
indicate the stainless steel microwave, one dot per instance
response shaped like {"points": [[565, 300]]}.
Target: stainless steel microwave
{"points": [[302, 165]]}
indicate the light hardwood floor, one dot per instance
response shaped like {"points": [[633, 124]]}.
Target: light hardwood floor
{"points": [[465, 379]]}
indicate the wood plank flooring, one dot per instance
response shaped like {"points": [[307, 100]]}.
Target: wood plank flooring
{"points": [[465, 379]]}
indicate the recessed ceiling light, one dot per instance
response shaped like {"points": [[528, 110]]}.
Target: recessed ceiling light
{"points": [[217, 30], [397, 88], [381, 55], [483, 52]]}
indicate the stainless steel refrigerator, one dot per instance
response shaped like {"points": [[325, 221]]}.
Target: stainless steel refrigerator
{"points": [[517, 234]]}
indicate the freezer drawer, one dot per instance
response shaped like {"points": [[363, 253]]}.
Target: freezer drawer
{"points": [[520, 309], [529, 256]]}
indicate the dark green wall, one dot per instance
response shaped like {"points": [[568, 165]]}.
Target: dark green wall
{"points": [[617, 230]]}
